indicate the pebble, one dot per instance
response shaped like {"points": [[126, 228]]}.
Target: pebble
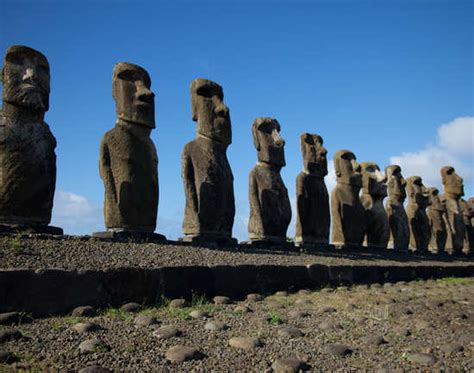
{"points": [[281, 293], [328, 310], [93, 345], [145, 320], [215, 326], [360, 320], [374, 340], [86, 327], [221, 300], [178, 303], [166, 332], [337, 349], [421, 358], [178, 354], [289, 365], [303, 301], [7, 357], [198, 314], [304, 292], [404, 332], [131, 307], [95, 369], [83, 311], [243, 309], [245, 343], [452, 347], [327, 290], [297, 314], [254, 297], [9, 318], [423, 324], [290, 332], [10, 335], [329, 325]]}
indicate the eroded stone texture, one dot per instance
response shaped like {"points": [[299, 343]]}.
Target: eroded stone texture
{"points": [[373, 192], [207, 176], [348, 214], [27, 157], [312, 199], [467, 214], [397, 216], [418, 201], [453, 186], [270, 210], [436, 211], [128, 160]]}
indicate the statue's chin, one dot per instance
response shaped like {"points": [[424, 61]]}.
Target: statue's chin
{"points": [[32, 101]]}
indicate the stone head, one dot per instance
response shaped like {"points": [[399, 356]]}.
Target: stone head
{"points": [[314, 154], [453, 184], [373, 181], [417, 192], [435, 200], [26, 79], [135, 102], [395, 182], [347, 169], [210, 112], [267, 141]]}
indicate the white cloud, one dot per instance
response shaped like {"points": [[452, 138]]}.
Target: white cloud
{"points": [[454, 147]]}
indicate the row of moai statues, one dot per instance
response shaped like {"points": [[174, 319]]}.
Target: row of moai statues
{"points": [[128, 168]]}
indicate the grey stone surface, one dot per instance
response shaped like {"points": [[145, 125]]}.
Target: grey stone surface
{"points": [[374, 190], [178, 303], [337, 349], [10, 335], [418, 201], [166, 332], [85, 327], [312, 198], [131, 307], [421, 358], [397, 216], [83, 311], [348, 214], [219, 299], [7, 357], [94, 345], [270, 210], [290, 332], [178, 354], [436, 212], [245, 343], [207, 176], [145, 320], [27, 156], [9, 318], [128, 160], [453, 190], [215, 326], [289, 365]]}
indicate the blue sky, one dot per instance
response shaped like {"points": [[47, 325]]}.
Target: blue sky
{"points": [[391, 81]]}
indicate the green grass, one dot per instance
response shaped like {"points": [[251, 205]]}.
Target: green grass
{"points": [[455, 280], [16, 246], [275, 319]]}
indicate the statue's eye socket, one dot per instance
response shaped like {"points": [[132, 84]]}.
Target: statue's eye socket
{"points": [[14, 58], [205, 92]]}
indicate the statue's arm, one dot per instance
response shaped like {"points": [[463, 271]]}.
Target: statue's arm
{"points": [[105, 171], [187, 173], [301, 196], [255, 207]]}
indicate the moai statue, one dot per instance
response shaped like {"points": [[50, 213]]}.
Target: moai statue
{"points": [[467, 214], [374, 190], [27, 157], [312, 199], [418, 201], [397, 216], [207, 176], [453, 191], [348, 214], [128, 160], [270, 210], [436, 211]]}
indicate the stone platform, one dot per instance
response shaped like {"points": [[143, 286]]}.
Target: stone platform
{"points": [[47, 275]]}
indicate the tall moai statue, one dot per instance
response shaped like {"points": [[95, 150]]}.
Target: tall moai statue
{"points": [[467, 214], [312, 199], [348, 214], [453, 191], [207, 176], [270, 209], [374, 190], [397, 216], [418, 201], [27, 157], [128, 162], [436, 212]]}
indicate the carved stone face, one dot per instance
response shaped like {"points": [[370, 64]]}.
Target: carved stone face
{"points": [[347, 169], [267, 141], [26, 79], [314, 155], [373, 180], [435, 200], [209, 111], [417, 192], [131, 91], [453, 183], [396, 183]]}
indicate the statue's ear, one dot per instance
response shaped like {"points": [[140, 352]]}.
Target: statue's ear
{"points": [[336, 167], [256, 141]]}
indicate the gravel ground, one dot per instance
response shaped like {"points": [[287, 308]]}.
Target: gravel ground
{"points": [[416, 326], [85, 253]]}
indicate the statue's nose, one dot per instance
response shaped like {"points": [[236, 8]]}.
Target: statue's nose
{"points": [[30, 74], [221, 110]]}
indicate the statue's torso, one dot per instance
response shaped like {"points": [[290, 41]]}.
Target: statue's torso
{"points": [[456, 226], [399, 227], [378, 228]]}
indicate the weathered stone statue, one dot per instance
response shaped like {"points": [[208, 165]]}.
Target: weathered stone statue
{"points": [[418, 201], [207, 176], [373, 192], [348, 214], [453, 191], [27, 157], [397, 216], [270, 210], [312, 219], [467, 214], [436, 211], [128, 160]]}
